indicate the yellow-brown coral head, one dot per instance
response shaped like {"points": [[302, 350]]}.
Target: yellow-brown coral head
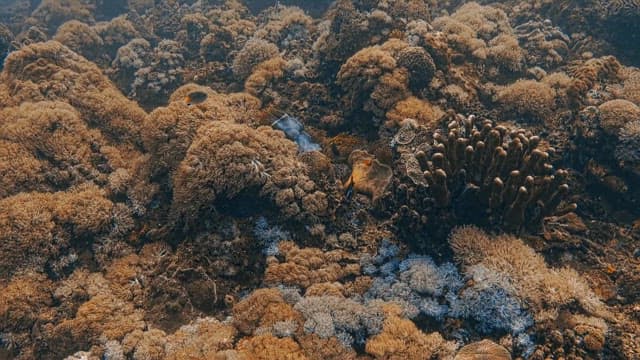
{"points": [[368, 176]]}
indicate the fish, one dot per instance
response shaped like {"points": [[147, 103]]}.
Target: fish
{"points": [[196, 97]]}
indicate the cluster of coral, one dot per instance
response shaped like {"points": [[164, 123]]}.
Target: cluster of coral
{"points": [[350, 179]]}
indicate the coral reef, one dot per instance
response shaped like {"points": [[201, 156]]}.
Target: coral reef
{"points": [[349, 179]]}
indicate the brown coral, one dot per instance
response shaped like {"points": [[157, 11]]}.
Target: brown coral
{"points": [[372, 82], [38, 227], [401, 339], [50, 71], [308, 266], [227, 159], [615, 114], [80, 38], [528, 100], [421, 111]]}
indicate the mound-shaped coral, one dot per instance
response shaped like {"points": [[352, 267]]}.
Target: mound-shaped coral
{"points": [[50, 71], [226, 160]]}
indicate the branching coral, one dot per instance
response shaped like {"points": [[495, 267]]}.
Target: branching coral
{"points": [[401, 339], [504, 173], [539, 286]]}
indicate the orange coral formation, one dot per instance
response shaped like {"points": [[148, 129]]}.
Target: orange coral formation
{"points": [[369, 176], [529, 99]]}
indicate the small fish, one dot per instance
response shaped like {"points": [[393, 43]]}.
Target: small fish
{"points": [[195, 97]]}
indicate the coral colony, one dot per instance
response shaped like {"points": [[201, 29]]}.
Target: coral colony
{"points": [[306, 180]]}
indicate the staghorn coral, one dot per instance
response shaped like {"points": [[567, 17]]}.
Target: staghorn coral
{"points": [[227, 159], [307, 266]]}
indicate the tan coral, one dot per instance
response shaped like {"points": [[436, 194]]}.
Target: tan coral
{"points": [[615, 114], [401, 339], [530, 99], [267, 347], [422, 111], [308, 266], [24, 300], [50, 71], [226, 159], [201, 339], [538, 285], [80, 38], [36, 227]]}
